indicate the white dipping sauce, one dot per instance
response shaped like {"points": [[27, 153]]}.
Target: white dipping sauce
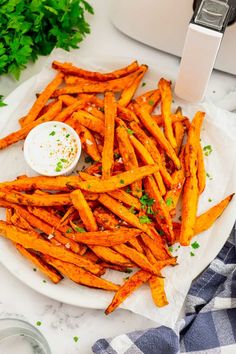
{"points": [[52, 149]]}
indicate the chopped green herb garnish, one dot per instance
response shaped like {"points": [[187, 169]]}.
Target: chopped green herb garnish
{"points": [[132, 210], [144, 219], [143, 84], [75, 338], [207, 150], [79, 229], [122, 181], [38, 323], [130, 131], [192, 254], [68, 231], [64, 160], [128, 270], [195, 245], [67, 135], [209, 200], [151, 102], [171, 249], [52, 133], [169, 202], [125, 278], [44, 281], [128, 190], [101, 109], [146, 201], [161, 232], [88, 159], [89, 186], [116, 155], [209, 176], [34, 269]]}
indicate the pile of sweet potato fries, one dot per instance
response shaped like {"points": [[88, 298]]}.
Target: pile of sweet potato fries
{"points": [[119, 212]]}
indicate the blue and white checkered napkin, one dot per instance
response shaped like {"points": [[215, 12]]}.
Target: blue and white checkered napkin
{"points": [[209, 325]]}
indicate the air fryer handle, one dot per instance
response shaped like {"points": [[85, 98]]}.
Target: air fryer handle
{"points": [[198, 58]]}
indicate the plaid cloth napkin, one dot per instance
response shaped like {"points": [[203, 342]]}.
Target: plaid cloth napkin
{"points": [[209, 325]]}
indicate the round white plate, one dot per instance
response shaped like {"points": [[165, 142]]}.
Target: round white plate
{"points": [[12, 164]]}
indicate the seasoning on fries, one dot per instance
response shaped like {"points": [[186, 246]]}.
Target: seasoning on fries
{"points": [[119, 212]]}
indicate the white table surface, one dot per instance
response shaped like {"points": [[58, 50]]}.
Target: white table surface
{"points": [[60, 322]]}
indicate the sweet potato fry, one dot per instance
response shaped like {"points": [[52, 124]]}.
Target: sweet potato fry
{"points": [[59, 183], [28, 240], [67, 112], [115, 85], [125, 198], [160, 208], [43, 98], [87, 120], [81, 276], [95, 112], [136, 257], [37, 200], [123, 213], [192, 145], [75, 80], [207, 219], [109, 131], [109, 255], [166, 100], [155, 131], [68, 68], [157, 246], [129, 158], [152, 149], [147, 159], [50, 272], [23, 132], [149, 100], [189, 209], [67, 100], [88, 142], [133, 283], [135, 243], [17, 220], [84, 210], [129, 91], [107, 238], [158, 291], [179, 130], [201, 172], [67, 217], [118, 181]]}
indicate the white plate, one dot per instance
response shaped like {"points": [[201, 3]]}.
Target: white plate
{"points": [[219, 131]]}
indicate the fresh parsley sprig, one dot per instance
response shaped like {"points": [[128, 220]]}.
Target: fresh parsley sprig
{"points": [[30, 28]]}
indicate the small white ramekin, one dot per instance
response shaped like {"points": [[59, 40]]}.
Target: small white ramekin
{"points": [[52, 149]]}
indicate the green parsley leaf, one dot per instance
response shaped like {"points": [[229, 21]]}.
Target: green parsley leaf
{"points": [[68, 231], [122, 181], [209, 176], [67, 135], [44, 281], [207, 150], [144, 219], [79, 229], [88, 159], [130, 131], [209, 200], [192, 254], [125, 278], [146, 201], [143, 84], [64, 160], [2, 104], [169, 202], [132, 210], [38, 323], [195, 245], [151, 102], [75, 338], [171, 249], [52, 133]]}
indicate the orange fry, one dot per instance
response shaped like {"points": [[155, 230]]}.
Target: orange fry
{"points": [[111, 256], [37, 200], [87, 120], [84, 210], [158, 291], [132, 284], [107, 153], [166, 100], [201, 172], [68, 68], [88, 142]]}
